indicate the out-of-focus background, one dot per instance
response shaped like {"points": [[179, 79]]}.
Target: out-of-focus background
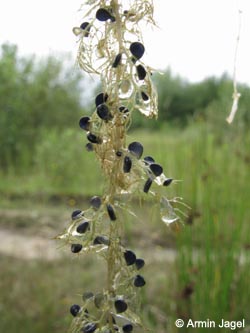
{"points": [[200, 271]]}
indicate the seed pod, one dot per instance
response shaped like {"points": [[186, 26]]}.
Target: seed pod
{"points": [[167, 182], [137, 49], [93, 138], [89, 328], [101, 240], [96, 202], [139, 263], [83, 227], [76, 214], [103, 15], [149, 159], [101, 98], [75, 309], [111, 212], [89, 147], [127, 164], [130, 257], [120, 306], [75, 248], [139, 281], [117, 60], [118, 153], [87, 295], [136, 148], [127, 328], [156, 169], [123, 109], [103, 112], [144, 96], [85, 26], [147, 185], [99, 300], [141, 72], [84, 123]]}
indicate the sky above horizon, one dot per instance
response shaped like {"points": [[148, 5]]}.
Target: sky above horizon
{"points": [[196, 39]]}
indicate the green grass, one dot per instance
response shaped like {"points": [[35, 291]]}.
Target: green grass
{"points": [[214, 175]]}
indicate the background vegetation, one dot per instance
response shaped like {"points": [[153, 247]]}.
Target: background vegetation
{"points": [[45, 169]]}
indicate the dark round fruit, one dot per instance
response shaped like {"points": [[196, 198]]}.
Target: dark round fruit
{"points": [[127, 328], [89, 328], [137, 49], [139, 263], [130, 257], [136, 148], [147, 185], [120, 306], [127, 164], [103, 15], [83, 227], [141, 72], [123, 109], [76, 214], [101, 240], [75, 248], [156, 169], [93, 138], [84, 123], [149, 159], [85, 26], [96, 202], [89, 146], [167, 182], [87, 295], [139, 281], [111, 212], [100, 99], [75, 309], [117, 60], [103, 112], [118, 153], [144, 96]]}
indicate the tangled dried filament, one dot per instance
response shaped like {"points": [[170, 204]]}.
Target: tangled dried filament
{"points": [[111, 45]]}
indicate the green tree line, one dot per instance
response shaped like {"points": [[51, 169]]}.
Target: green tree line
{"points": [[37, 96]]}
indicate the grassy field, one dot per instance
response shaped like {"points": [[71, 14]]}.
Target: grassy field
{"points": [[209, 278]]}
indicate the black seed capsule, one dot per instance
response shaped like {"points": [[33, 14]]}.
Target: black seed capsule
{"points": [[149, 159], [96, 202], [89, 328], [103, 112], [103, 15], [76, 214], [85, 26], [118, 153], [75, 248], [127, 164], [101, 240], [130, 257], [83, 227], [120, 306], [75, 309], [84, 123], [139, 263], [87, 295], [89, 147], [167, 182], [144, 96], [147, 185], [137, 49], [139, 281], [136, 149], [111, 212], [123, 109], [141, 72], [93, 138], [117, 60], [156, 169], [127, 328], [100, 99]]}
